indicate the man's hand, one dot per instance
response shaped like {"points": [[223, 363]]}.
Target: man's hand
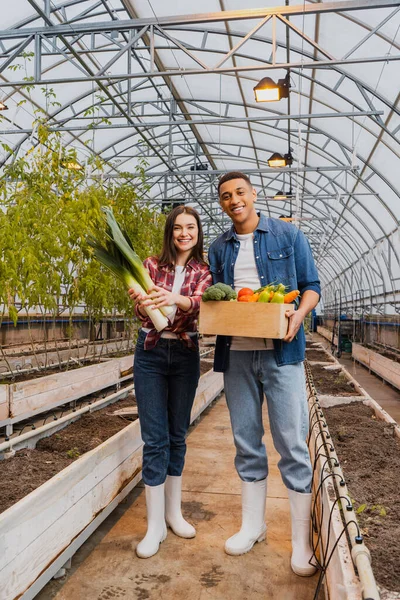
{"points": [[309, 300], [295, 320]]}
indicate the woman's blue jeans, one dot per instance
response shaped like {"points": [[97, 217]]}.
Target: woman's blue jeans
{"points": [[165, 379], [250, 375]]}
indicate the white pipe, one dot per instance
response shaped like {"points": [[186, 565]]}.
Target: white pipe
{"points": [[359, 552], [7, 446]]}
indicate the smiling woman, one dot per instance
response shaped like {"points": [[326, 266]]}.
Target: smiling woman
{"points": [[167, 370], [186, 235]]}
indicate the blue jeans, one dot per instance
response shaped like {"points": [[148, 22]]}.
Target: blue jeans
{"points": [[166, 379], [250, 375]]}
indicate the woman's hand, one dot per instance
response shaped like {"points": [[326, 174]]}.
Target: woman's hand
{"points": [[138, 299], [159, 297]]}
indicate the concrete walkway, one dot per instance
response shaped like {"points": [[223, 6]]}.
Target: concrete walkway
{"points": [[106, 567]]}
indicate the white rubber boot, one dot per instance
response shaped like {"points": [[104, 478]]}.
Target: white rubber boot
{"points": [[156, 527], [300, 511], [253, 528], [173, 511]]}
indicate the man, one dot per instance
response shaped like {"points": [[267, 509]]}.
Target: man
{"points": [[256, 251]]}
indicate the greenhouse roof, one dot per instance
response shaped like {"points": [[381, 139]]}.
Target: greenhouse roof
{"points": [[134, 79]]}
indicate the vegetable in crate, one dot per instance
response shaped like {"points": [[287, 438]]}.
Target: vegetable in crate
{"points": [[117, 254], [244, 292], [266, 294], [219, 291], [291, 296]]}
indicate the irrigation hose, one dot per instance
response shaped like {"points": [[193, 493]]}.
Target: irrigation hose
{"points": [[359, 552]]}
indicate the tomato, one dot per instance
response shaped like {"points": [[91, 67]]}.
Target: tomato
{"points": [[245, 298], [245, 292]]}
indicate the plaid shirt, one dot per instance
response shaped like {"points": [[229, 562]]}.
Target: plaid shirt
{"points": [[197, 280]]}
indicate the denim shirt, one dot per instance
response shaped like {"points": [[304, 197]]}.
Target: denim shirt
{"points": [[282, 255]]}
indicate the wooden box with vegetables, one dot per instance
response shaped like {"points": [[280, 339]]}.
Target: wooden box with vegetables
{"points": [[248, 313]]}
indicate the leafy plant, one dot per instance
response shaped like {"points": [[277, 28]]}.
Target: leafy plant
{"points": [[73, 453], [47, 210]]}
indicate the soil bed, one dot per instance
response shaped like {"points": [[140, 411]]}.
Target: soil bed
{"points": [[333, 383], [310, 344], [318, 356], [369, 455], [205, 366], [29, 469]]}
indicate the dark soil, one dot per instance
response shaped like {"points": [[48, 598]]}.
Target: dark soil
{"points": [[205, 366], [370, 458], [319, 356], [333, 383], [29, 469]]}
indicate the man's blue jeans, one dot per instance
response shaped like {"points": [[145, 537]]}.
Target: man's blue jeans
{"points": [[166, 379], [250, 375]]}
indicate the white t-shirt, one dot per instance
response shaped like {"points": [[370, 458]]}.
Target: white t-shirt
{"points": [[246, 275], [176, 289]]}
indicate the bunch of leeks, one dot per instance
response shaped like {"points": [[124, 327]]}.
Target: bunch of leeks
{"points": [[117, 254]]}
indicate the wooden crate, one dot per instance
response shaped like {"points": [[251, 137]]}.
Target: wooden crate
{"points": [[245, 319]]}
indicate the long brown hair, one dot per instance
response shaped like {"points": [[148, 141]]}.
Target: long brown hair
{"points": [[168, 253]]}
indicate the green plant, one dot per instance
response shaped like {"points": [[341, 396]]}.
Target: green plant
{"points": [[375, 508], [47, 211], [73, 453]]}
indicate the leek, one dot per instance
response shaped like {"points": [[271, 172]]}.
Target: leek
{"points": [[124, 244], [110, 255]]}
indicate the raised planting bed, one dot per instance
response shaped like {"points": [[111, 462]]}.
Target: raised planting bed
{"points": [[332, 548], [46, 358], [344, 559], [315, 354], [326, 333], [368, 447], [25, 399], [386, 368], [333, 380], [44, 529]]}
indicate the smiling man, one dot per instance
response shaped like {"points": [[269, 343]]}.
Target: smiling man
{"points": [[255, 251]]}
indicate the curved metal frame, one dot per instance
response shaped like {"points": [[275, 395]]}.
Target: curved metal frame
{"points": [[189, 135]]}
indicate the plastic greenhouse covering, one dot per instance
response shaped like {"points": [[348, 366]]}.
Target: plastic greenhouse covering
{"points": [[173, 82]]}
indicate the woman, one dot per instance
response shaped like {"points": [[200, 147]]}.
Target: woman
{"points": [[167, 370]]}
